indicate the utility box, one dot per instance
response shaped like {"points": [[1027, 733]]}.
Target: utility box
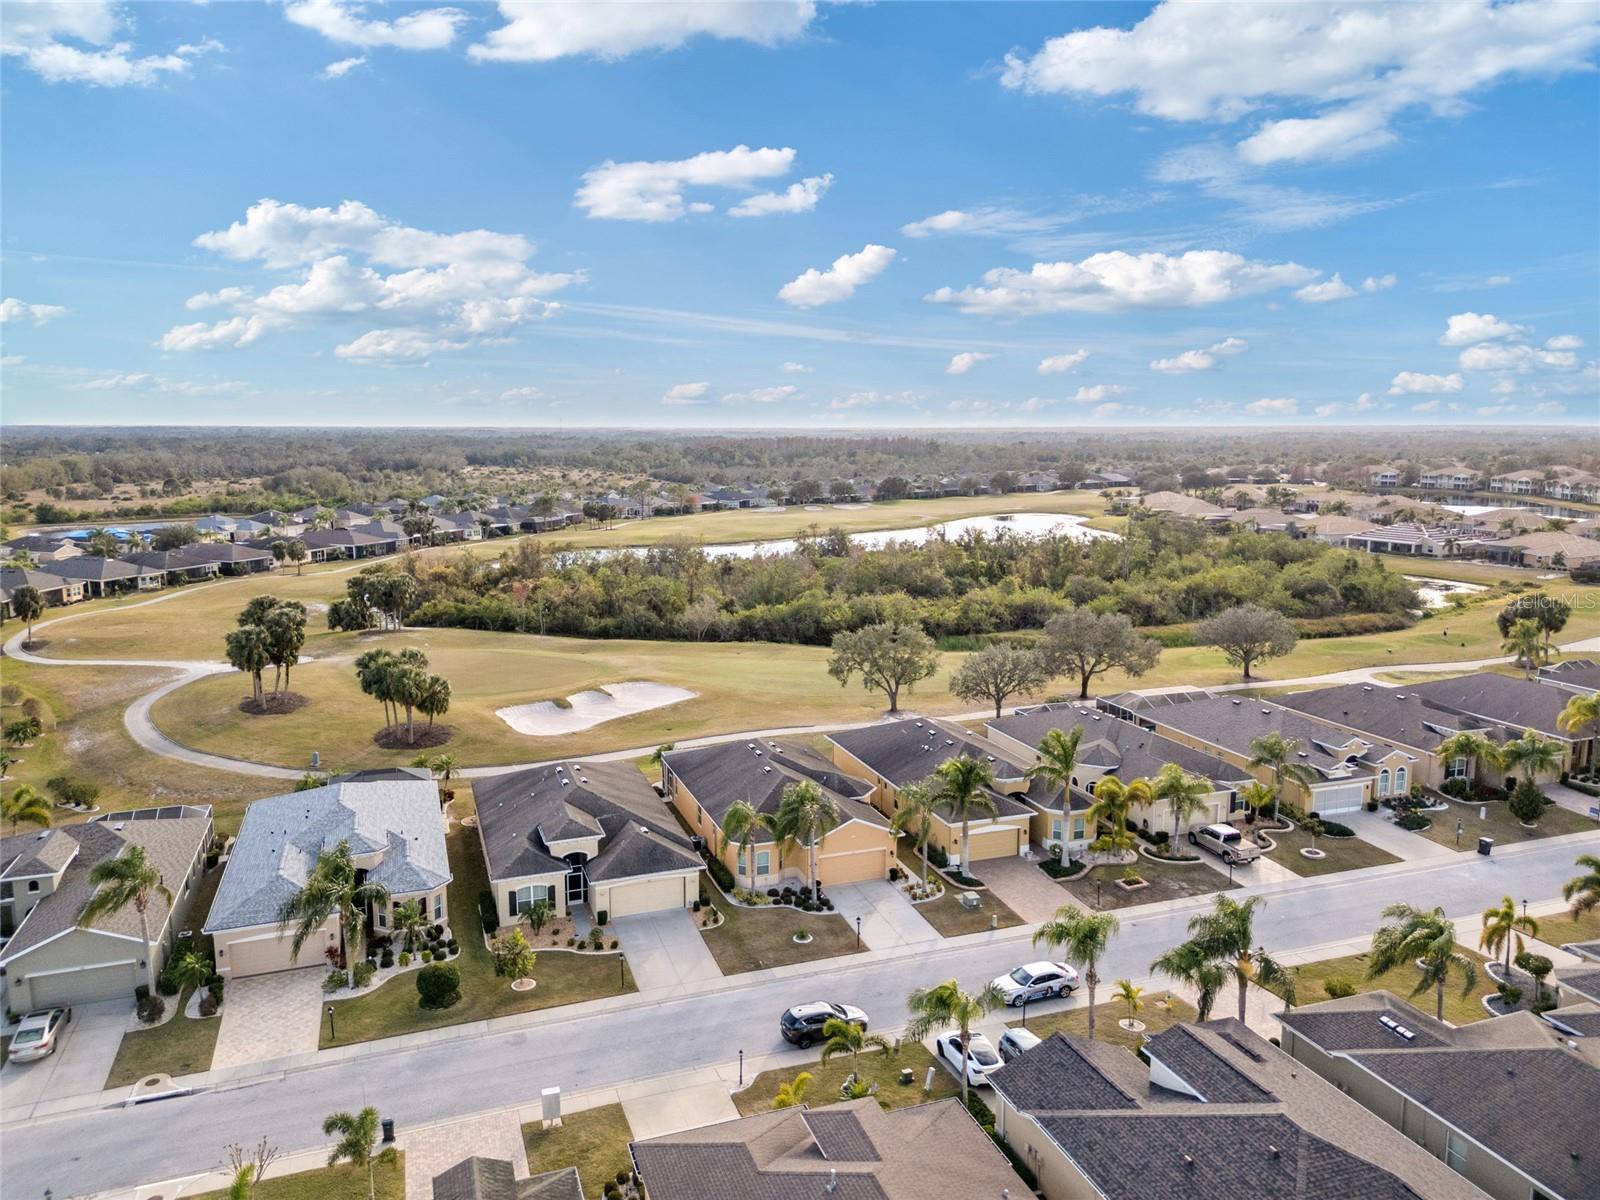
{"points": [[1485, 846], [550, 1107], [968, 899]]}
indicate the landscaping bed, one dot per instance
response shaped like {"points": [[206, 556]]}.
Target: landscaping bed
{"points": [[594, 1140], [1167, 881], [1504, 828], [1075, 1021], [827, 1078], [344, 1182], [752, 939], [1343, 853], [1311, 979]]}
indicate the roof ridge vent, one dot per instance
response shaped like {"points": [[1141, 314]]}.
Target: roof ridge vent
{"points": [[1238, 701]]}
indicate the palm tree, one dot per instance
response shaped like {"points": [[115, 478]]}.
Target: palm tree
{"points": [[742, 825], [250, 650], [1184, 793], [409, 920], [963, 788], [945, 1004], [1225, 938], [1131, 994], [1532, 755], [1281, 756], [357, 1133], [192, 970], [806, 814], [1502, 926], [1058, 760], [1188, 964], [917, 804], [1424, 936], [1580, 712], [1583, 891], [330, 892], [25, 805], [792, 1093], [846, 1037], [1473, 747], [130, 878], [1081, 939], [26, 605], [1525, 643], [1113, 800]]}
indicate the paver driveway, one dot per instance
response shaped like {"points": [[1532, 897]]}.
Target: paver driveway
{"points": [[78, 1068], [434, 1150], [665, 951], [887, 918], [269, 1016], [1024, 888]]}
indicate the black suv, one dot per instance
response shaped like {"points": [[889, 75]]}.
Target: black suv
{"points": [[802, 1025]]}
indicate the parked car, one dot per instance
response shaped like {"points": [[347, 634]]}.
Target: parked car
{"points": [[1014, 1043], [38, 1034], [1037, 981], [978, 1059], [802, 1025], [1226, 842]]}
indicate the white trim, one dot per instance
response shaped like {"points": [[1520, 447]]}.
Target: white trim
{"points": [[121, 962], [625, 879], [123, 937]]}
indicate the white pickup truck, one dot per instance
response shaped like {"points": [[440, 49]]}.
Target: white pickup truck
{"points": [[1226, 842]]}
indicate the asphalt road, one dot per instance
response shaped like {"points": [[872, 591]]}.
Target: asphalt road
{"points": [[116, 1148]]}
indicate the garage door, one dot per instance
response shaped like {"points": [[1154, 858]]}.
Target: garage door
{"points": [[647, 896], [855, 867], [996, 843], [1345, 798], [83, 986], [258, 956]]}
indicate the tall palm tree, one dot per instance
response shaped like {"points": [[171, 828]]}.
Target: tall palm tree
{"points": [[1532, 755], [1427, 937], [963, 787], [130, 878], [331, 891], [1473, 747], [1184, 793], [1113, 801], [806, 814], [357, 1133], [1525, 644], [742, 825], [1081, 939], [1581, 712], [1225, 937], [846, 1037], [250, 650], [917, 804], [1583, 891], [1502, 926], [1058, 760], [27, 603], [1187, 963], [1281, 756], [25, 805], [945, 1004]]}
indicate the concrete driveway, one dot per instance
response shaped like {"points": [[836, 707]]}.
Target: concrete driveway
{"points": [[78, 1068], [888, 919], [269, 1016], [665, 950]]}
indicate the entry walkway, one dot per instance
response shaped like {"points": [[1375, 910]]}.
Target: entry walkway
{"points": [[887, 918], [665, 952]]}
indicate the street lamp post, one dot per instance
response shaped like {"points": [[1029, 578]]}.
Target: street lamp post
{"points": [[858, 930], [622, 970], [332, 1036], [1024, 1010], [741, 1068], [1097, 893]]}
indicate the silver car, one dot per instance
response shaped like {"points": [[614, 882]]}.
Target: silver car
{"points": [[38, 1034]]}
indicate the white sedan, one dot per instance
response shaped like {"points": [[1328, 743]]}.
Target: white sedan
{"points": [[977, 1058], [1037, 981]]}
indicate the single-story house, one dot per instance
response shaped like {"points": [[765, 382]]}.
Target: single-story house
{"points": [[108, 576], [1545, 550], [230, 558], [896, 753], [52, 588], [49, 959], [702, 784], [174, 565], [1521, 705], [396, 838], [576, 833], [1106, 479], [349, 543], [1180, 505], [45, 547], [1581, 675]]}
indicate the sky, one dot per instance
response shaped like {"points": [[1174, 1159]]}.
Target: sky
{"points": [[732, 215]]}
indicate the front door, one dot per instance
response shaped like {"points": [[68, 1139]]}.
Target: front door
{"points": [[577, 883]]}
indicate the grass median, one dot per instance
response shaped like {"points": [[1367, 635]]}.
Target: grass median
{"points": [[594, 1140], [875, 1068]]}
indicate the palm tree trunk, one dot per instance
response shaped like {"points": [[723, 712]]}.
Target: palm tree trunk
{"points": [[966, 1039], [1438, 1008], [372, 1192], [149, 950], [811, 855], [966, 846], [1244, 985], [922, 849], [1091, 980]]}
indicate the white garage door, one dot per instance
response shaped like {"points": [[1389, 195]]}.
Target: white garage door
{"points": [[1342, 799], [85, 986], [258, 956], [648, 895], [855, 867]]}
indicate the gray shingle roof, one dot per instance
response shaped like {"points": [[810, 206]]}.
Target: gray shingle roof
{"points": [[1398, 714], [93, 567], [281, 836], [1519, 702], [1124, 749], [495, 1179], [908, 750], [1233, 722], [1576, 673], [1061, 1067], [12, 578], [1198, 1064], [1584, 983]]}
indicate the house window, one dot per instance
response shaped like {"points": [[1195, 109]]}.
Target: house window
{"points": [[383, 918], [521, 900], [763, 862], [1400, 787], [1077, 829], [1455, 1152], [1055, 829], [1383, 782], [33, 885], [699, 815], [1456, 769], [438, 906]]}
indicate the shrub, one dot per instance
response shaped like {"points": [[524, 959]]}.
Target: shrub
{"points": [[718, 870], [513, 955], [427, 956], [208, 1006], [438, 932], [621, 1178], [1527, 803], [453, 945], [572, 941], [1337, 987], [387, 960], [364, 972], [614, 943], [1536, 965], [438, 985], [167, 982], [488, 914], [151, 1009], [773, 893], [938, 857], [1335, 830], [1455, 788], [596, 939], [1412, 821], [68, 789], [405, 958], [334, 981], [1057, 870], [215, 987], [981, 1112], [1511, 994], [611, 1191]]}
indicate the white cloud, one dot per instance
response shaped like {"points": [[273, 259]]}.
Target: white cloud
{"points": [[653, 191], [339, 21], [872, 399], [338, 70], [11, 360], [1417, 381], [41, 33], [1497, 280], [1549, 406], [794, 368], [144, 381], [1504, 386], [686, 393], [1328, 410], [1200, 360], [797, 198], [1116, 281], [1270, 206], [838, 282], [107, 383], [539, 31], [1378, 283], [1283, 406], [1366, 402], [1353, 69], [961, 363], [1514, 356], [1565, 341], [1464, 329], [1426, 406], [13, 310], [1326, 291], [1058, 364], [1107, 410], [448, 291], [521, 393], [950, 221], [766, 395], [1094, 393]]}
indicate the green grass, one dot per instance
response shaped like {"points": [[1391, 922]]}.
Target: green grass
{"points": [[946, 914], [1458, 571], [1344, 854], [343, 1182], [564, 978], [1562, 928], [753, 939], [179, 1047], [1075, 1021], [827, 1078], [1504, 828], [594, 1140], [1458, 1009]]}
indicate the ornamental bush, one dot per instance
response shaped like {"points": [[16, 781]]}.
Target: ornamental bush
{"points": [[488, 914], [1338, 987], [438, 985], [364, 972], [1526, 803]]}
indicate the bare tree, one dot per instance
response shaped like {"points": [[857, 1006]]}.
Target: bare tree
{"points": [[248, 1167]]}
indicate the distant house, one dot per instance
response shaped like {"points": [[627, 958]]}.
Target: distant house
{"points": [[45, 548], [1410, 537], [1521, 705], [347, 543], [1573, 485], [53, 589], [1382, 476], [1266, 520], [1037, 481], [1335, 529], [108, 576], [1180, 505], [174, 566], [1099, 480], [1517, 483], [1454, 478], [1545, 550], [230, 558]]}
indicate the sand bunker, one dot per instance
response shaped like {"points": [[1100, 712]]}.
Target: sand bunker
{"points": [[585, 710]]}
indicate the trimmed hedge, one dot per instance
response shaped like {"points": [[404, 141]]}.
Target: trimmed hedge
{"points": [[718, 870], [488, 913]]}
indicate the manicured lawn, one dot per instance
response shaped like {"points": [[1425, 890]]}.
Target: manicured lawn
{"points": [[752, 939], [1460, 572], [343, 1182], [179, 1047], [946, 914], [1458, 1009], [1075, 1021], [564, 978], [1563, 927], [1168, 881], [1344, 854], [594, 1140], [827, 1078], [1499, 824]]}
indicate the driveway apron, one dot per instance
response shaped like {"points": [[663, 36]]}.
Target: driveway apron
{"points": [[269, 1016], [1022, 886], [665, 951], [887, 918]]}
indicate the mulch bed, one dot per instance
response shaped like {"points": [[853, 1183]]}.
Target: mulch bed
{"points": [[274, 704], [424, 737]]}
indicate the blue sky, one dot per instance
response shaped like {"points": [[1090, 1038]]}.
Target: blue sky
{"points": [[734, 216]]}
